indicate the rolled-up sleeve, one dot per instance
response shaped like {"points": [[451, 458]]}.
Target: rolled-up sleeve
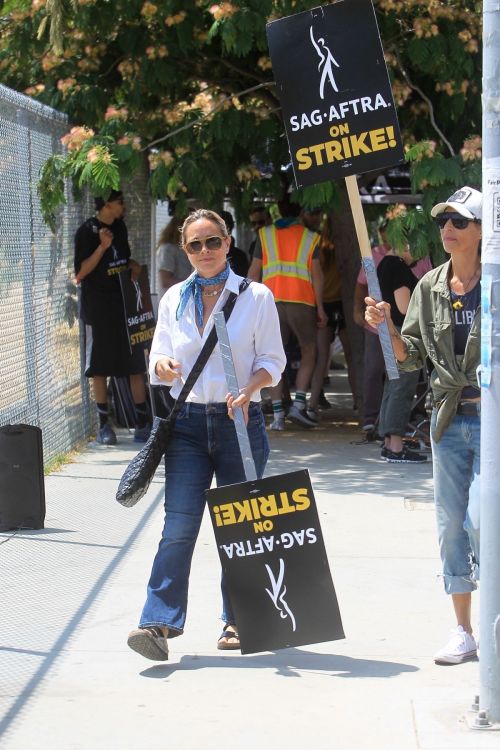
{"points": [[162, 344], [269, 352]]}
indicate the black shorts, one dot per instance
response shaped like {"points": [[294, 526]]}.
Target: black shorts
{"points": [[107, 347], [335, 315]]}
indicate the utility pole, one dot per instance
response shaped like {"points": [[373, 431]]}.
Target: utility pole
{"points": [[489, 664]]}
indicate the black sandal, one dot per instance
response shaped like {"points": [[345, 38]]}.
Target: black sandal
{"points": [[226, 634]]}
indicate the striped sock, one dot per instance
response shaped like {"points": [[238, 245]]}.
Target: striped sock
{"points": [[300, 400], [278, 410]]}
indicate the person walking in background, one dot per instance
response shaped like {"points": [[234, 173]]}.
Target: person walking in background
{"points": [[204, 441], [373, 360], [397, 283], [312, 218], [259, 217], [443, 324], [236, 257], [336, 325], [171, 261], [287, 256], [102, 253]]}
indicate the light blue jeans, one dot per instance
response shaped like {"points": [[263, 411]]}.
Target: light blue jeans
{"points": [[455, 461], [204, 443]]}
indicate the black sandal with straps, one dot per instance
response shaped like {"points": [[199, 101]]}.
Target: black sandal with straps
{"points": [[226, 634]]}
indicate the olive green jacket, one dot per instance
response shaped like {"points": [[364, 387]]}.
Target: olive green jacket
{"points": [[428, 330]]}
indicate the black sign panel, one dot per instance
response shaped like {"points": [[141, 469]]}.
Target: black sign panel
{"points": [[140, 318], [274, 560], [335, 92]]}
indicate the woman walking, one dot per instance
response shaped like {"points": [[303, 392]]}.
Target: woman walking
{"points": [[442, 323], [204, 443]]}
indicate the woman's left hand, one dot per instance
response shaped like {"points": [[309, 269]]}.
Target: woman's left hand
{"points": [[242, 401]]}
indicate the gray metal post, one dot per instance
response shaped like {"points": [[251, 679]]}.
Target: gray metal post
{"points": [[232, 387], [489, 666]]}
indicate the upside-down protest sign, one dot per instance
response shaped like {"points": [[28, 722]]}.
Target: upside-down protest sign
{"points": [[274, 562], [335, 92]]}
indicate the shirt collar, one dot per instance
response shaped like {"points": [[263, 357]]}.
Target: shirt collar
{"points": [[232, 283], [441, 283], [288, 221]]}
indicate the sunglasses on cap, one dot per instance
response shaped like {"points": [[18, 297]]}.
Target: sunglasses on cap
{"points": [[458, 221], [211, 243]]}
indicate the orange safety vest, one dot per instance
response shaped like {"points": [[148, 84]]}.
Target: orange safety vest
{"points": [[287, 261]]}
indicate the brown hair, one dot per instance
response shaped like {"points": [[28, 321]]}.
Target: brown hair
{"points": [[171, 233], [204, 213]]}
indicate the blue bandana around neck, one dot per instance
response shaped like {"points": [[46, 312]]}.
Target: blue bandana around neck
{"points": [[193, 286]]}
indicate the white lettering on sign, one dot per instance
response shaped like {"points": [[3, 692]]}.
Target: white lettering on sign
{"points": [[269, 543], [338, 112]]}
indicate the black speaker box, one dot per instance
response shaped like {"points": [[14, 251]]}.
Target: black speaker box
{"points": [[22, 489]]}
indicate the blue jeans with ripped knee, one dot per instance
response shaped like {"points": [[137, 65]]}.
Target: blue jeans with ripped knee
{"points": [[456, 465], [204, 444]]}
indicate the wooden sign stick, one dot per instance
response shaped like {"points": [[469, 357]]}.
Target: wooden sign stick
{"points": [[371, 273]]}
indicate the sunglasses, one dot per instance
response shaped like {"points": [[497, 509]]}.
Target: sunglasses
{"points": [[258, 223], [458, 221], [211, 243]]}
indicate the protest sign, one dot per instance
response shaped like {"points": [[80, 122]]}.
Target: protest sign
{"points": [[338, 109], [274, 561], [335, 92], [139, 315]]}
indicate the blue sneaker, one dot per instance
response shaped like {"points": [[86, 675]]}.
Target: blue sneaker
{"points": [[141, 434], [106, 435]]}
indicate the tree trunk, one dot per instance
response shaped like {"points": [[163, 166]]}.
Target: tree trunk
{"points": [[348, 261]]}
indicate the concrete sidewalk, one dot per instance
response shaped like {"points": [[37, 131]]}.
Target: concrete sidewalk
{"points": [[71, 592]]}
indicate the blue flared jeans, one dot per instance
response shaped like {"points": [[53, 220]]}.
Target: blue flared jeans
{"points": [[204, 444], [456, 464]]}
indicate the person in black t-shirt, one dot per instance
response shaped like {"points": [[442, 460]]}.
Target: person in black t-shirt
{"points": [[102, 253], [397, 283], [237, 258]]}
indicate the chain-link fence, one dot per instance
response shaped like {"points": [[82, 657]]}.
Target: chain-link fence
{"points": [[41, 371]]}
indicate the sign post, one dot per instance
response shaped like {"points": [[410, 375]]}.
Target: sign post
{"points": [[371, 272], [489, 635], [271, 548], [338, 109]]}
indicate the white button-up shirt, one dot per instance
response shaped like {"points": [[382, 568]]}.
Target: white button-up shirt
{"points": [[254, 334]]}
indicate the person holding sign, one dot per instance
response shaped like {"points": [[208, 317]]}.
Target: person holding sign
{"points": [[204, 441], [102, 253], [442, 323]]}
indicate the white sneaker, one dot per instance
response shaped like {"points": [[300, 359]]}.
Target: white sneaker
{"points": [[299, 416], [278, 424], [461, 647]]}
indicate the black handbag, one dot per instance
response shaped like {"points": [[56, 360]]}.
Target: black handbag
{"points": [[140, 471]]}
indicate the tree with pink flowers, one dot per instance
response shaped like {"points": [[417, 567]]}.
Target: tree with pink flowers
{"points": [[188, 85]]}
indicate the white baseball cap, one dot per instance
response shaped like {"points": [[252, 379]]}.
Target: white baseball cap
{"points": [[467, 201]]}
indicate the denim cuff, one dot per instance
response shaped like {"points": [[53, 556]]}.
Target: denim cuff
{"points": [[172, 632], [459, 584]]}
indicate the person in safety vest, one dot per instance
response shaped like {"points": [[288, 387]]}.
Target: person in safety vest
{"points": [[287, 256]]}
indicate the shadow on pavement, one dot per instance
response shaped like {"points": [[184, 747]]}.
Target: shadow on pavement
{"points": [[287, 663]]}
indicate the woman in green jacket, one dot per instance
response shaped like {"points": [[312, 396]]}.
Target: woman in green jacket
{"points": [[442, 323]]}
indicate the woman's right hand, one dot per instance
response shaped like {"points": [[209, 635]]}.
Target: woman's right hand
{"points": [[168, 369], [376, 312]]}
